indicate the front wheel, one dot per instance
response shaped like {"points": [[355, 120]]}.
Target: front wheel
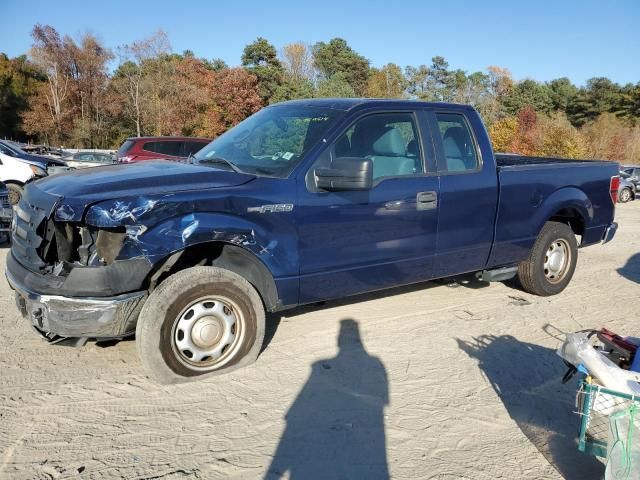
{"points": [[14, 194], [200, 321], [551, 262]]}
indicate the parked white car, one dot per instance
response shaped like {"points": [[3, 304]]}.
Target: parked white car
{"points": [[15, 173]]}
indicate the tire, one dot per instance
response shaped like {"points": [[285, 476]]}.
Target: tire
{"points": [[213, 314], [551, 262], [15, 193], [625, 195]]}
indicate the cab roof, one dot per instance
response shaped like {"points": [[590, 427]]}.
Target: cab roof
{"points": [[351, 103]]}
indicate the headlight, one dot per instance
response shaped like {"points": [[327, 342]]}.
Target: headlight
{"points": [[37, 171], [108, 245]]}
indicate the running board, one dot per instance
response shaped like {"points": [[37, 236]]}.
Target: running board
{"points": [[497, 275]]}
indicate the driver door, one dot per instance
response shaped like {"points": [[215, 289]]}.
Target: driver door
{"points": [[358, 241]]}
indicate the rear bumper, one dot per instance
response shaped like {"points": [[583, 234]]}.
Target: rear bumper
{"points": [[54, 315], [610, 232]]}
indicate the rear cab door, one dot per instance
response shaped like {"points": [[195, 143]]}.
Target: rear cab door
{"points": [[469, 190], [357, 241]]}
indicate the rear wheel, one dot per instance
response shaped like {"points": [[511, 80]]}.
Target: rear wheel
{"points": [[200, 321], [551, 262], [625, 195]]}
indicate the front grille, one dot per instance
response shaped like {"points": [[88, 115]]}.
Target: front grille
{"points": [[4, 201], [33, 227]]}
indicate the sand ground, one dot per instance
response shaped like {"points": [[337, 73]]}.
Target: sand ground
{"points": [[440, 380]]}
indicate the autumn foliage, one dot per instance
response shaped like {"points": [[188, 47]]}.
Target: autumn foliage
{"points": [[79, 93], [531, 133]]}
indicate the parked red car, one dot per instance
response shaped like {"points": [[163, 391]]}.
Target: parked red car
{"points": [[137, 149]]}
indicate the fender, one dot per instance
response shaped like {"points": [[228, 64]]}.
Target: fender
{"points": [[565, 198], [249, 249], [276, 249], [511, 246]]}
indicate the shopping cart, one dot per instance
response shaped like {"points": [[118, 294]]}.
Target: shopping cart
{"points": [[596, 405]]}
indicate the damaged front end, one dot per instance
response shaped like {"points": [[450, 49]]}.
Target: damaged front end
{"points": [[73, 245], [68, 274], [83, 267]]}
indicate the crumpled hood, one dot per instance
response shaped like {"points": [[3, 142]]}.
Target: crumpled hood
{"points": [[79, 188], [158, 177]]}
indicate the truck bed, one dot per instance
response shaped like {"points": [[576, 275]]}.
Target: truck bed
{"points": [[534, 189]]}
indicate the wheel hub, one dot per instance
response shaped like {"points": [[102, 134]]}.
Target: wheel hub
{"points": [[206, 332], [556, 261]]}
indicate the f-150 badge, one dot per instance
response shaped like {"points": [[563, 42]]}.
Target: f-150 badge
{"points": [[278, 207]]}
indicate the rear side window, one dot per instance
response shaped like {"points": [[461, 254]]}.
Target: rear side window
{"points": [[125, 147], [458, 148], [190, 148], [171, 148]]}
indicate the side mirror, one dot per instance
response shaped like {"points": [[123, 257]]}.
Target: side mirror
{"points": [[345, 173]]}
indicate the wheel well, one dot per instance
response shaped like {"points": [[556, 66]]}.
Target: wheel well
{"points": [[14, 182], [223, 255], [571, 217]]}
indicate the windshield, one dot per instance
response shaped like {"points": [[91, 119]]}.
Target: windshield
{"points": [[270, 142], [12, 148]]}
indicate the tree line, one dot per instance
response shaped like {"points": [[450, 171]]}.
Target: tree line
{"points": [[63, 92]]}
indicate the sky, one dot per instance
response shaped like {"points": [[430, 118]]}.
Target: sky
{"points": [[542, 40]]}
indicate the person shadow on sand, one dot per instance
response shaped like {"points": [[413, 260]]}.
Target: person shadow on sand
{"points": [[335, 426]]}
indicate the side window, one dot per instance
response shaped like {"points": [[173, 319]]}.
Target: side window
{"points": [[390, 140], [458, 146], [190, 148], [164, 147], [170, 148], [151, 147]]}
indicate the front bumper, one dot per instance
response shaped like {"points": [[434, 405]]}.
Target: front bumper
{"points": [[122, 276], [609, 233], [6, 216], [58, 316]]}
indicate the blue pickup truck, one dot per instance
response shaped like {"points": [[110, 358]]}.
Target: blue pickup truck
{"points": [[302, 202]]}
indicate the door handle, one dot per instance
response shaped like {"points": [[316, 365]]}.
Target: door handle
{"points": [[427, 200]]}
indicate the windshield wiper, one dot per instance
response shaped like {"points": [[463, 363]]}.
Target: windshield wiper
{"points": [[220, 161]]}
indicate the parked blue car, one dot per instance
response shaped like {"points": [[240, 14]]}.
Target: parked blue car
{"points": [[304, 201], [52, 165]]}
